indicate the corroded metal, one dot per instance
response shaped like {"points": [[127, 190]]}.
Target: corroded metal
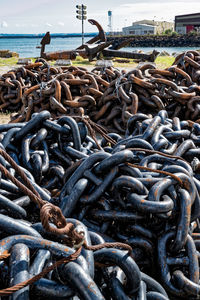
{"points": [[93, 48]]}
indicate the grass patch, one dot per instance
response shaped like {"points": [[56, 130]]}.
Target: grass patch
{"points": [[163, 62], [83, 62], [12, 61], [79, 58], [8, 61]]}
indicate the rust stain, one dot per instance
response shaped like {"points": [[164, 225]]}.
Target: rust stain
{"points": [[2, 243], [90, 287], [156, 192], [45, 243]]}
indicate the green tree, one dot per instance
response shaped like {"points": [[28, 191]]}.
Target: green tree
{"points": [[168, 31], [174, 33]]}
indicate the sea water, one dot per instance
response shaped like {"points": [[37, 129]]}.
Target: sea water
{"points": [[27, 47]]}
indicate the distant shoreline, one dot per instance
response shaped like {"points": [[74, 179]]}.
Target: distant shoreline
{"points": [[40, 35]]}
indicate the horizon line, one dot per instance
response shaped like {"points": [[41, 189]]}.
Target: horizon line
{"points": [[41, 33]]}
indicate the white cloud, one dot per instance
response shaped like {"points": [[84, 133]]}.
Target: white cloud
{"points": [[150, 2], [48, 24], [4, 24], [61, 23], [20, 25], [144, 9]]}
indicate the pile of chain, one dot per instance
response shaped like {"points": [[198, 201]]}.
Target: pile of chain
{"points": [[142, 189], [109, 96]]}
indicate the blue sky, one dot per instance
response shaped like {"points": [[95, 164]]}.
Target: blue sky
{"points": [[36, 16]]}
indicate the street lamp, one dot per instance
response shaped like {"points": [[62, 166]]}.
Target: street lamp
{"points": [[81, 15], [154, 24]]}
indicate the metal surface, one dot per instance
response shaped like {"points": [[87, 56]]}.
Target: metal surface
{"points": [[114, 194], [110, 97], [140, 189]]}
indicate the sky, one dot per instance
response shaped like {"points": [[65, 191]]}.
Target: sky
{"points": [[59, 16]]}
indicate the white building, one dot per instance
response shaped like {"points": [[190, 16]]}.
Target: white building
{"points": [[139, 29]]}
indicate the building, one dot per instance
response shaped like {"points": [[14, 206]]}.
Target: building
{"points": [[145, 27], [187, 23], [139, 29]]}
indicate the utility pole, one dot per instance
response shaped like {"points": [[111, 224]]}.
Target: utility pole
{"points": [[82, 15]]}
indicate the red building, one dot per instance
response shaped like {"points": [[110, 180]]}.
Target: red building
{"points": [[187, 23]]}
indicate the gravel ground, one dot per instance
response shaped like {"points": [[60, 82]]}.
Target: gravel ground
{"points": [[5, 69]]}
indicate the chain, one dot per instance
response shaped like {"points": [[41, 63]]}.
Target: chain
{"points": [[49, 212]]}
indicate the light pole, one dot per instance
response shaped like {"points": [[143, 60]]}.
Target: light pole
{"points": [[154, 23], [82, 15]]}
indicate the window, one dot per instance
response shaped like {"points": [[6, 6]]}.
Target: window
{"points": [[132, 32]]}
